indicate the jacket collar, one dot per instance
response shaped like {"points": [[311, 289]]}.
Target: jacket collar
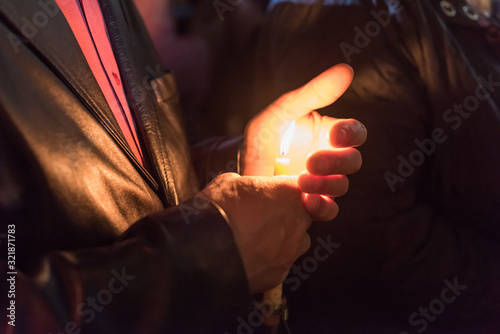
{"points": [[44, 29]]}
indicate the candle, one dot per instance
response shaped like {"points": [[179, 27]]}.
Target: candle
{"points": [[282, 164], [275, 295]]}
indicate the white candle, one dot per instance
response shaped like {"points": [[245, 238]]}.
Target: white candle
{"points": [[281, 167]]}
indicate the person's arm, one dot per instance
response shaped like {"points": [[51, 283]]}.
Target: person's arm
{"points": [[177, 271]]}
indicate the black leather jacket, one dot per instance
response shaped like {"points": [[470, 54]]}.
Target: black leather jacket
{"points": [[71, 189], [423, 209]]}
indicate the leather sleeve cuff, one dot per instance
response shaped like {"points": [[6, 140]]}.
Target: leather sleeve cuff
{"points": [[215, 156], [210, 283]]}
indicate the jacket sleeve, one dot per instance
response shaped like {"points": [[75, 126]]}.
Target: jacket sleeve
{"points": [[177, 271], [214, 156]]}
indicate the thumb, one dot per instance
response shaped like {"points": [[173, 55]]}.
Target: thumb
{"points": [[320, 92]]}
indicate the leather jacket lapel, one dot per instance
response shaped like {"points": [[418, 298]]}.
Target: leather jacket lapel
{"points": [[43, 28], [138, 71]]}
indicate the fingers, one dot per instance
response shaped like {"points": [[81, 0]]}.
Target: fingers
{"points": [[332, 162], [331, 185], [320, 208], [288, 181], [347, 133], [320, 92], [317, 188], [314, 190]]}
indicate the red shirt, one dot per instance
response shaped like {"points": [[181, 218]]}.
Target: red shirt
{"points": [[87, 23]]}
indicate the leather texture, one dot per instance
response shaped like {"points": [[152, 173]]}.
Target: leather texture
{"points": [[440, 221], [72, 187]]}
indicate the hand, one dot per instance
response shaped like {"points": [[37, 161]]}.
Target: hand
{"points": [[321, 146], [268, 221]]}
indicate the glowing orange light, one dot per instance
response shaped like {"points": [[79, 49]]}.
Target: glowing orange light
{"points": [[286, 141], [282, 164], [281, 167]]}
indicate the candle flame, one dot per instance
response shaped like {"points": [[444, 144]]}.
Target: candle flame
{"points": [[287, 139]]}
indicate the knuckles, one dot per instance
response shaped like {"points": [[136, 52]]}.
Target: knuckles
{"points": [[332, 185], [331, 162]]}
